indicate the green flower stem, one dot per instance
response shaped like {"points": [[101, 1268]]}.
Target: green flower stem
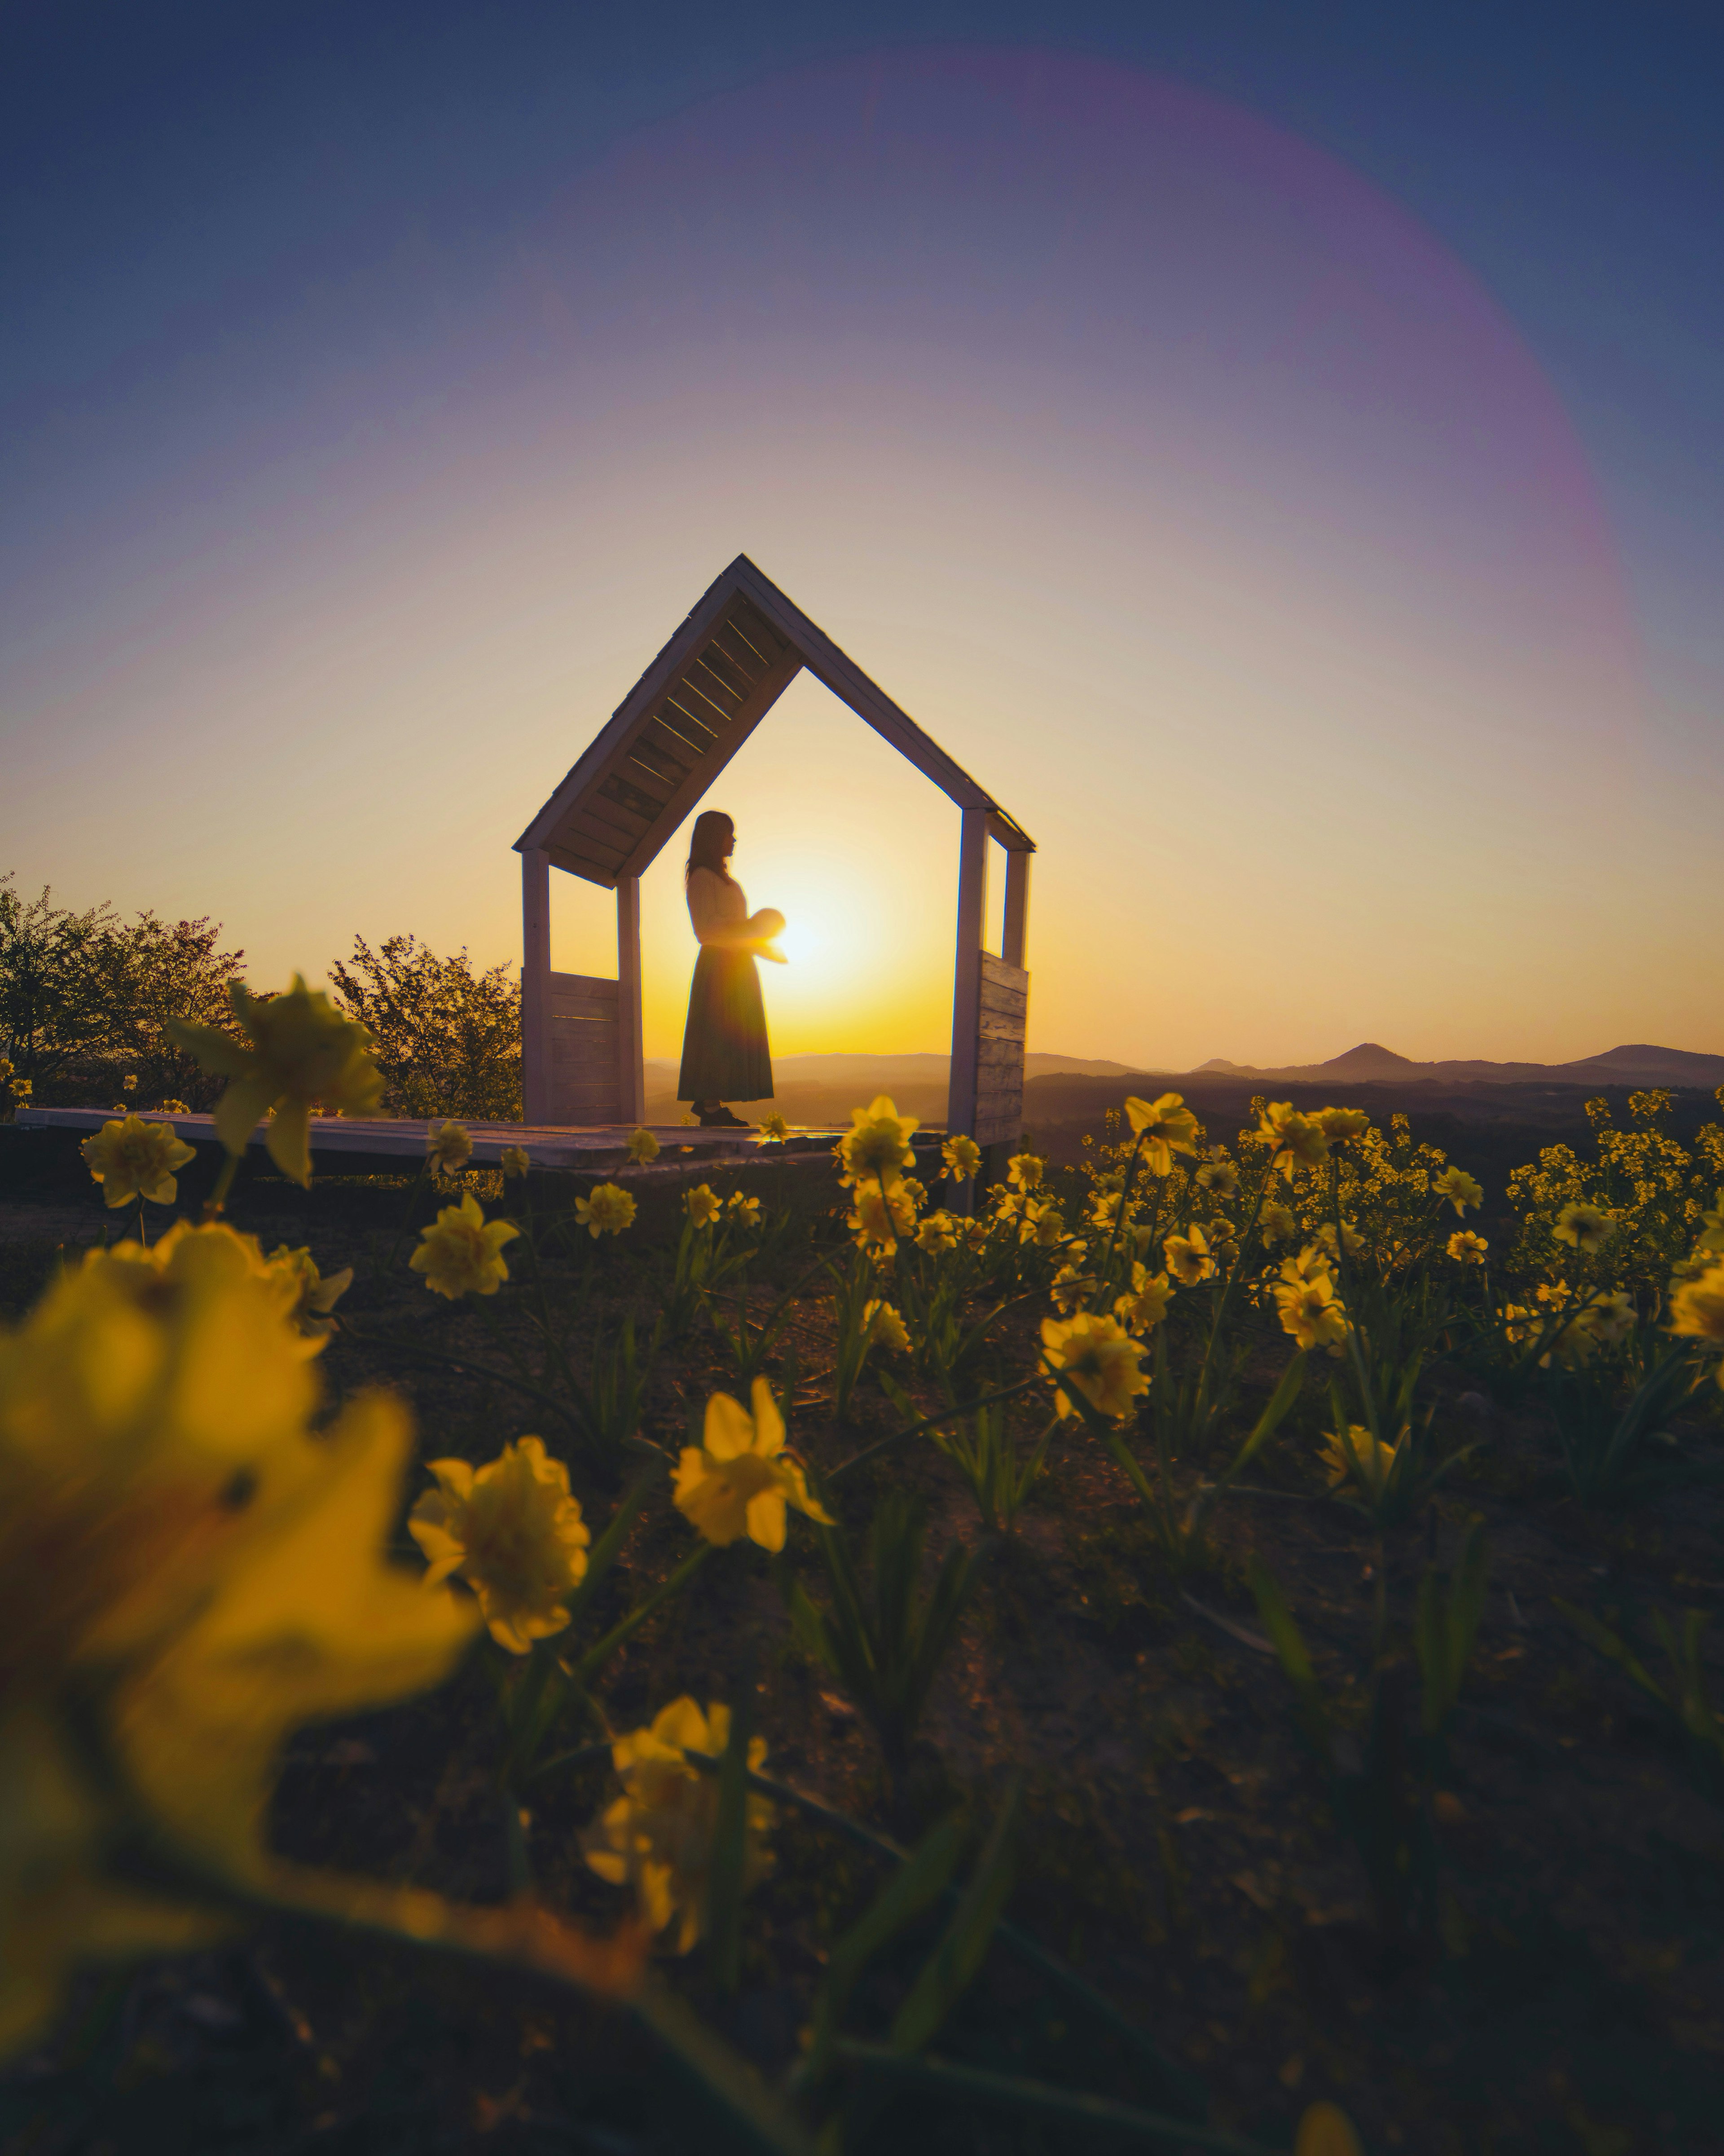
{"points": [[928, 1422], [595, 1658], [407, 1218], [1021, 2094], [216, 1203], [1181, 2087]]}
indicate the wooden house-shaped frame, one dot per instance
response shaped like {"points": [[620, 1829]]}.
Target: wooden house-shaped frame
{"points": [[735, 655]]}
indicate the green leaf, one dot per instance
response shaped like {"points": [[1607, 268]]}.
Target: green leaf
{"points": [[954, 1962], [1289, 1644]]}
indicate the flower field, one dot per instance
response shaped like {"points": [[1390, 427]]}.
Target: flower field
{"points": [[1199, 1648]]}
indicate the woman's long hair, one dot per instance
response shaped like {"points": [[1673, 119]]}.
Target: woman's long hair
{"points": [[714, 832]]}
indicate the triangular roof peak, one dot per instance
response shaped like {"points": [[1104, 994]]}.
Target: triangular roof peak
{"points": [[741, 647]]}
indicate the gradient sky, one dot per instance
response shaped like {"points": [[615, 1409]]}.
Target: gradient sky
{"points": [[1278, 452]]}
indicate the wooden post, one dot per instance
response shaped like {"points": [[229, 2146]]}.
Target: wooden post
{"points": [[631, 1068], [967, 985], [536, 985], [1014, 940]]}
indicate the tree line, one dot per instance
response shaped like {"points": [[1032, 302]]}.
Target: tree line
{"points": [[85, 998]]}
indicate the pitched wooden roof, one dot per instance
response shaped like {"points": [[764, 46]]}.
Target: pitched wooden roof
{"points": [[740, 649]]}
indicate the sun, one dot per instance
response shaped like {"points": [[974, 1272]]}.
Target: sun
{"points": [[798, 942]]}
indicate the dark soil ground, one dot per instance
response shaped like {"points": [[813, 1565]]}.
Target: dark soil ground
{"points": [[1178, 1848]]}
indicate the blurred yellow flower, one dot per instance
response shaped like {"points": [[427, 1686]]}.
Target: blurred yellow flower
{"points": [[1070, 1286], [1338, 1123], [1297, 1140], [314, 1297], [1698, 1308], [1711, 1236], [739, 1481], [702, 1204], [129, 1084], [1352, 1241], [643, 1148], [1043, 1224], [1275, 1222], [1325, 2130], [1098, 1357], [1023, 1170], [461, 1254], [137, 1159], [1467, 1248], [1190, 1258], [1166, 1127], [1611, 1319], [1146, 1304], [878, 1148], [1220, 1177], [22, 1089], [773, 1129], [1459, 1187], [7, 1067], [516, 1161], [937, 1235], [1518, 1324], [1360, 1455], [1310, 1312], [513, 1532], [302, 1051], [908, 1191], [606, 1210], [175, 1108], [962, 1157], [657, 1835], [1586, 1227], [448, 1148], [875, 1222], [885, 1326]]}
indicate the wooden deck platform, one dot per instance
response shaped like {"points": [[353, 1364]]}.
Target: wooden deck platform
{"points": [[358, 1146]]}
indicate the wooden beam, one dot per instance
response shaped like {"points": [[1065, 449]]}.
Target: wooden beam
{"points": [[631, 1066], [967, 984], [1015, 936], [536, 985]]}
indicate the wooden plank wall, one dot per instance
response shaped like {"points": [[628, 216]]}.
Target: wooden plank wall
{"points": [[1000, 1032], [586, 1050]]}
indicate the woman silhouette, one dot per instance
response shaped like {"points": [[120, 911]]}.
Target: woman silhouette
{"points": [[724, 1046]]}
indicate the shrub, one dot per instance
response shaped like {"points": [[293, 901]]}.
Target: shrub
{"points": [[447, 1038]]}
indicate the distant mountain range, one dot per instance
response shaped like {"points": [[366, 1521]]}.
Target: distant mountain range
{"points": [[1367, 1064]]}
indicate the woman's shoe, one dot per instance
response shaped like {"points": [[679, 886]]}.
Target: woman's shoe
{"points": [[720, 1119]]}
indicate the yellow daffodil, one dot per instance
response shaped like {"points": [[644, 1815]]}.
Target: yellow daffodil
{"points": [[1275, 1222], [962, 1157], [1359, 1455], [1518, 1323], [876, 1222], [642, 1147], [1070, 1286], [1222, 1231], [7, 1067], [1467, 1248], [1586, 1227], [1190, 1258], [22, 1089], [1325, 2130], [129, 1084], [175, 1108], [302, 1052], [1105, 1210], [314, 1295], [1219, 1177], [657, 1835], [739, 1481], [1311, 1311], [884, 1327], [606, 1210], [1146, 1304], [1352, 1241], [1043, 1224], [510, 1531], [1024, 1170], [743, 1210], [1098, 1357], [461, 1253], [515, 1162], [1165, 1126], [1612, 1318], [702, 1204], [1697, 1310], [878, 1148], [1459, 1189], [1338, 1123], [773, 1130], [1299, 1141], [137, 1159], [937, 1234], [448, 1148], [190, 1567]]}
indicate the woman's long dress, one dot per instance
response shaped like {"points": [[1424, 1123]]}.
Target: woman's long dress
{"points": [[725, 1055]]}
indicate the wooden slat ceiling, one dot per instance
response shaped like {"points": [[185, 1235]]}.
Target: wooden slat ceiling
{"points": [[687, 716]]}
